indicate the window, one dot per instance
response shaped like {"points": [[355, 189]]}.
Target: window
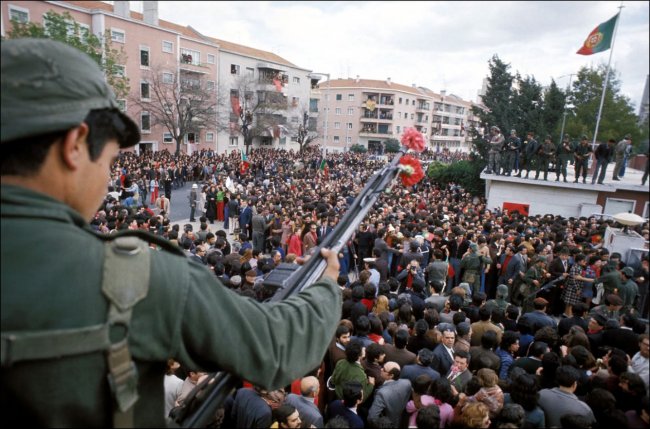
{"points": [[168, 138], [144, 56], [189, 56], [339, 97], [18, 14], [412, 116], [168, 108], [192, 138], [296, 79], [350, 97], [121, 104], [337, 125], [406, 115], [295, 120], [168, 46], [144, 90], [413, 103], [119, 70], [338, 111], [617, 205], [400, 100], [211, 59], [209, 137], [145, 122], [336, 139], [349, 125], [398, 129], [167, 77], [118, 35], [234, 141], [210, 85], [348, 140], [350, 111], [250, 71], [234, 69]]}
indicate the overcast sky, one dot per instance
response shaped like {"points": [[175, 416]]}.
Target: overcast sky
{"points": [[438, 45]]}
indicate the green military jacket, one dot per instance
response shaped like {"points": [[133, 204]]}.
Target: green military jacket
{"points": [[628, 293], [52, 265], [564, 151], [611, 281], [581, 152], [346, 371]]}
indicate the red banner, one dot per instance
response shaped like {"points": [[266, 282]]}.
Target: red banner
{"points": [[512, 207]]}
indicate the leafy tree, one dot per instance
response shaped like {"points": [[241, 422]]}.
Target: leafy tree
{"points": [[463, 173], [182, 103], [618, 116], [529, 102], [64, 28], [357, 148], [498, 100], [552, 111], [392, 145]]}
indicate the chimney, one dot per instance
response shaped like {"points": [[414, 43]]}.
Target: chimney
{"points": [[357, 80], [388, 80], [150, 12], [443, 92], [121, 8]]}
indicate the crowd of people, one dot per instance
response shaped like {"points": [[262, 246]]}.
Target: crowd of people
{"points": [[454, 314]]}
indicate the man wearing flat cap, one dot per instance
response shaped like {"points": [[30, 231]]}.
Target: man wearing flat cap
{"points": [[535, 277], [582, 154], [629, 291], [610, 308], [471, 266], [88, 307]]}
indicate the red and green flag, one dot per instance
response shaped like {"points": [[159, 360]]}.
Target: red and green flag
{"points": [[243, 166], [600, 39]]}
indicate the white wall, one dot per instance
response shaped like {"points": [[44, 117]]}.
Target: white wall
{"points": [[543, 198]]}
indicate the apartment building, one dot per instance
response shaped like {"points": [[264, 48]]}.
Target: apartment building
{"points": [[274, 91], [370, 112]]}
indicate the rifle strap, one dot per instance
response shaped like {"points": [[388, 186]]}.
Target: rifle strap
{"points": [[125, 282]]}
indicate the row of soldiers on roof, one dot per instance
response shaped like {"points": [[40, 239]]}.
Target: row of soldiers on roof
{"points": [[509, 155]]}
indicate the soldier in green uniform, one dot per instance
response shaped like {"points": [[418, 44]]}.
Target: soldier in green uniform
{"points": [[531, 147], [510, 152], [533, 280], [629, 291], [471, 266], [564, 153], [581, 155], [89, 321], [545, 154]]}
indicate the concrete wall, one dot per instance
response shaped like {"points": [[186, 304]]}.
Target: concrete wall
{"points": [[542, 198]]}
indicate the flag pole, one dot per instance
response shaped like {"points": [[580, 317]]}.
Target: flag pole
{"points": [[609, 63]]}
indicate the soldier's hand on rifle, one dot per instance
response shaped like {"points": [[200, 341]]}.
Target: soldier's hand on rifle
{"points": [[332, 258]]}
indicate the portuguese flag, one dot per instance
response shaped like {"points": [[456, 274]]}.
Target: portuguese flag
{"points": [[600, 39]]}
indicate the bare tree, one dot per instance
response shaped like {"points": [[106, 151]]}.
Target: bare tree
{"points": [[305, 132], [254, 112], [182, 102]]}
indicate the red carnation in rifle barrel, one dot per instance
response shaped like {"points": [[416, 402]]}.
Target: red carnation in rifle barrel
{"points": [[410, 170], [413, 140]]}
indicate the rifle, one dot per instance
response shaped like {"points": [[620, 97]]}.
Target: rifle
{"points": [[289, 279]]}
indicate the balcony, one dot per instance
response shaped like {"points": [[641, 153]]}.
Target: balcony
{"points": [[426, 107], [386, 101]]}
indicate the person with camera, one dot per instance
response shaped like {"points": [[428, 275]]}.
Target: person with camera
{"points": [[411, 278]]}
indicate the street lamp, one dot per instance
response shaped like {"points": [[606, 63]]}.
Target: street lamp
{"points": [[565, 106]]}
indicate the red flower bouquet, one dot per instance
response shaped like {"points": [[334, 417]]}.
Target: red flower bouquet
{"points": [[413, 139], [410, 170]]}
